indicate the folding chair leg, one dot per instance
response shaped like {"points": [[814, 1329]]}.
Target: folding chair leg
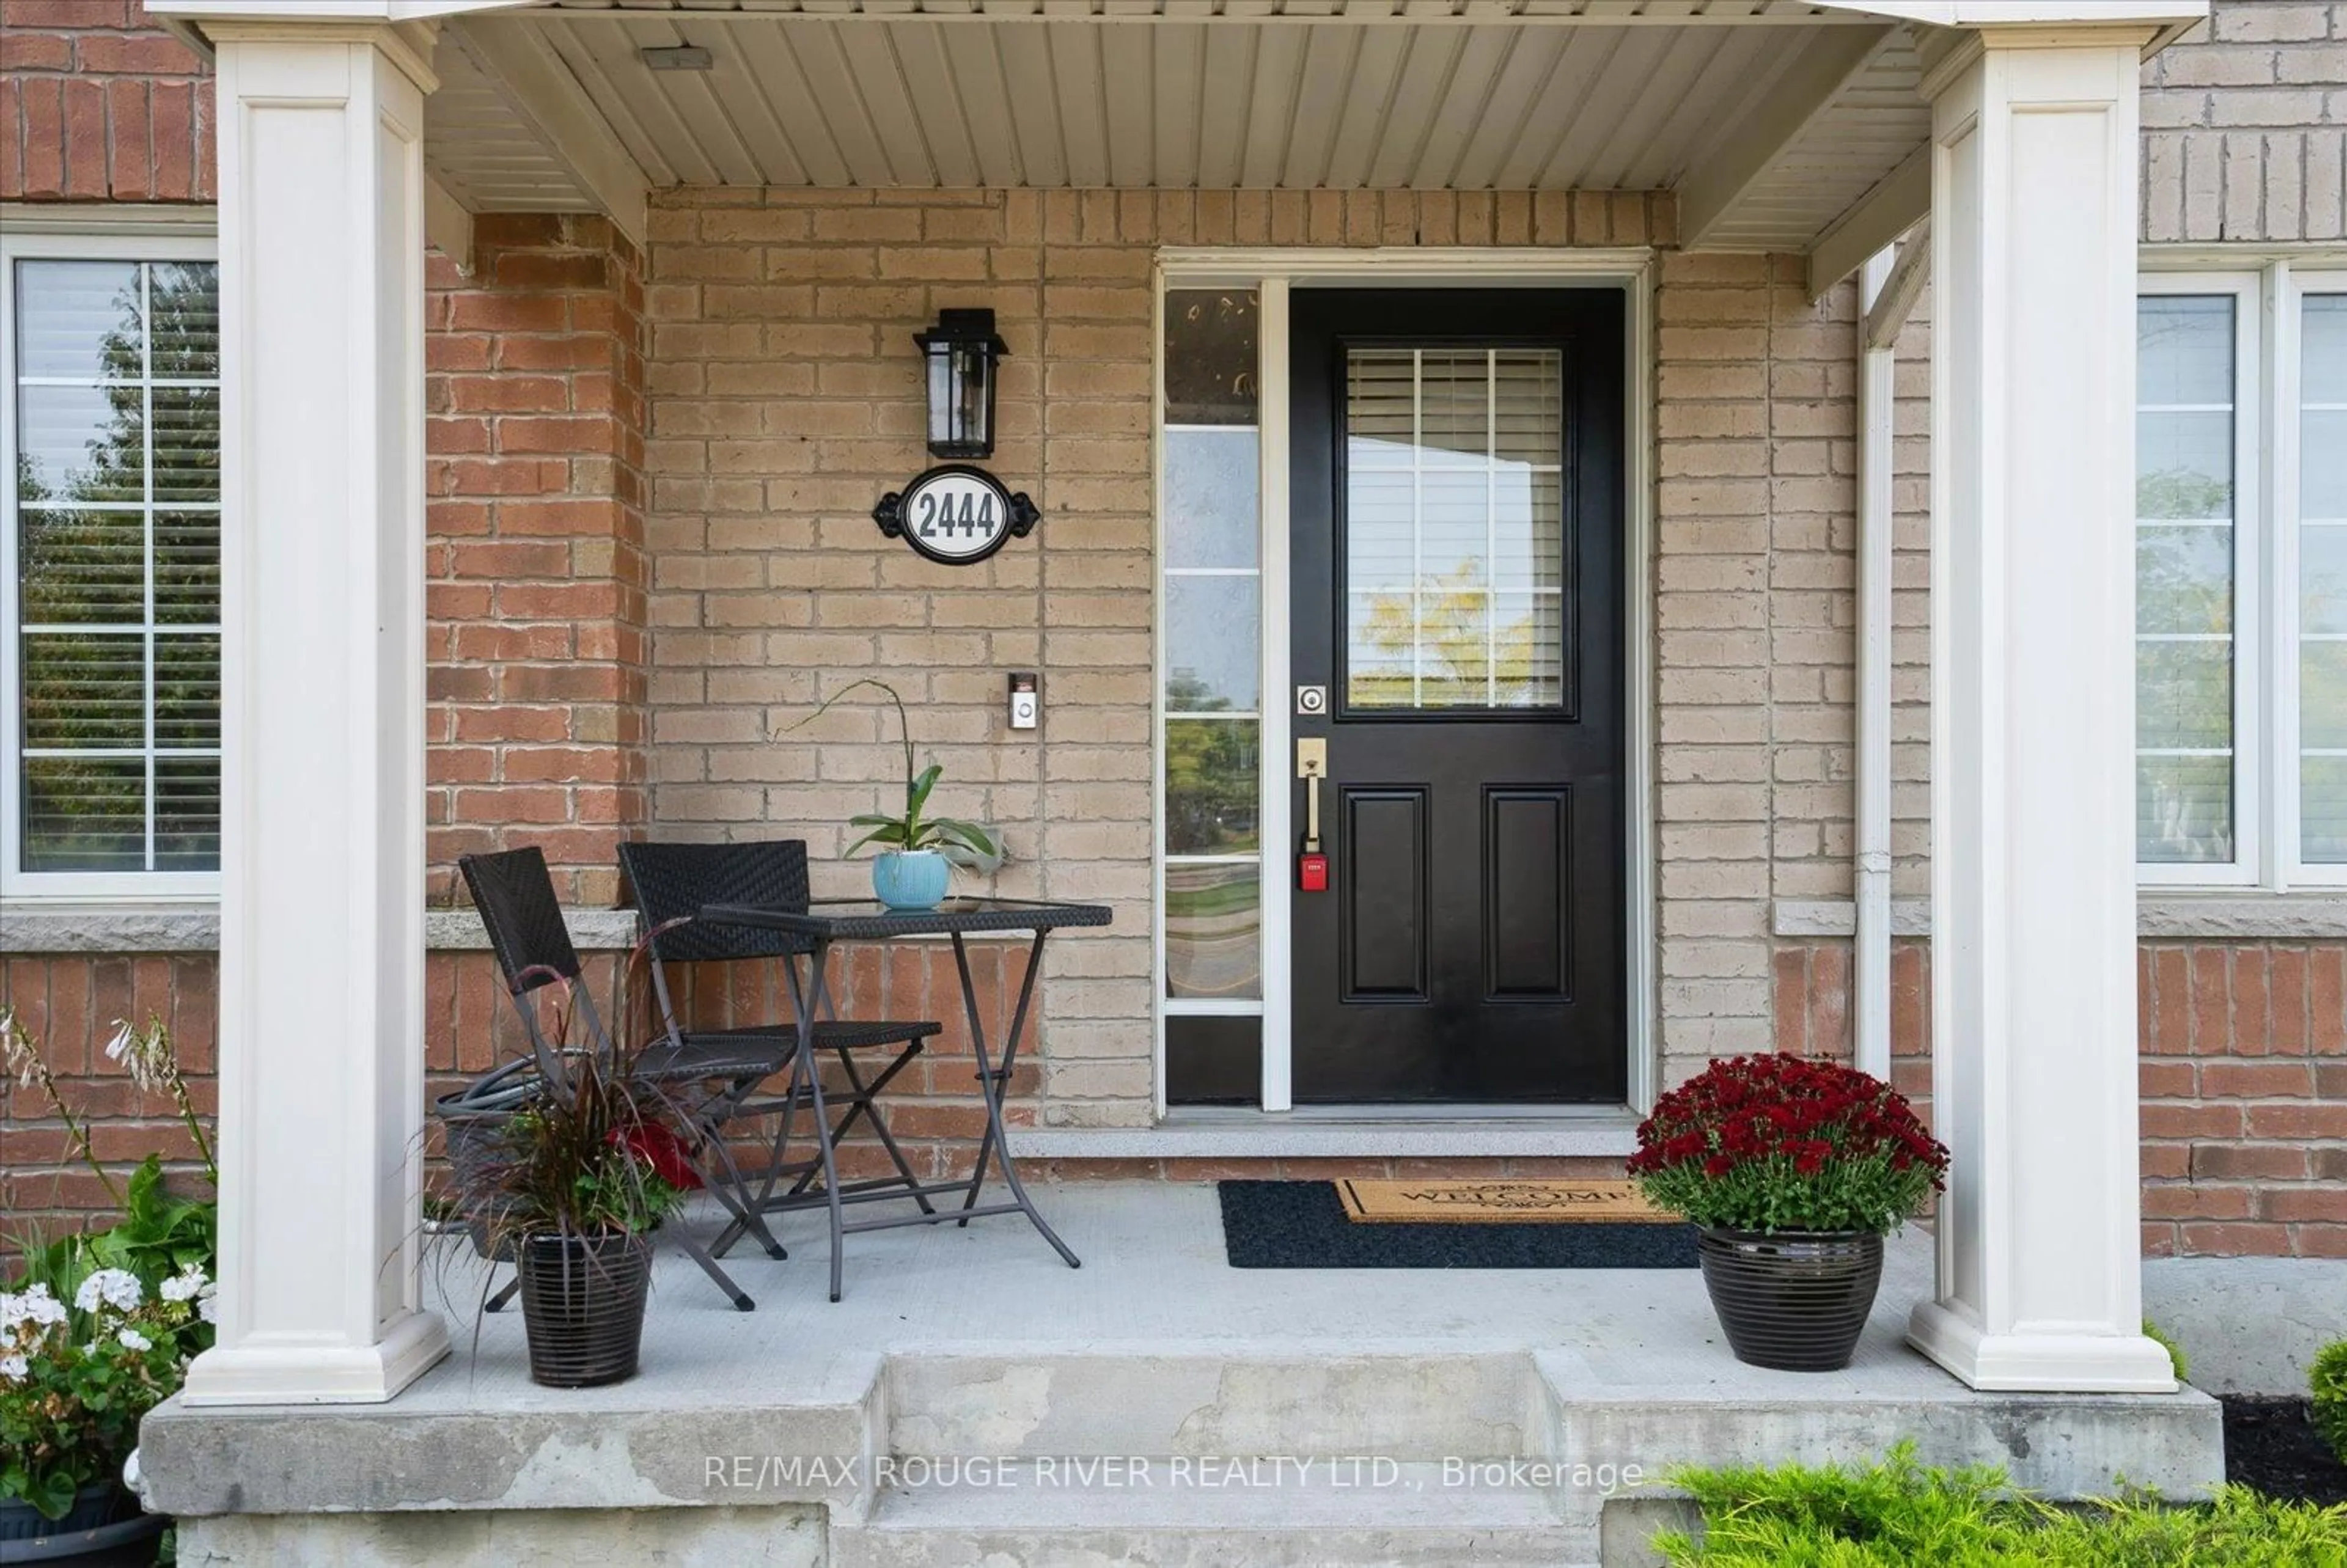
{"points": [[733, 1196], [700, 1254]]}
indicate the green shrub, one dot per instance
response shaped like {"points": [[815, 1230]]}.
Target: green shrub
{"points": [[1896, 1513], [2327, 1383], [2175, 1357]]}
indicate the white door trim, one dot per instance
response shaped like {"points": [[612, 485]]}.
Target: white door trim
{"points": [[1273, 273]]}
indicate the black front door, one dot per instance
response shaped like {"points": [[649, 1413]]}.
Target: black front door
{"points": [[1456, 622]]}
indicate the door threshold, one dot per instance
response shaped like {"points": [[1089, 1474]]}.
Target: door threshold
{"points": [[1347, 1132]]}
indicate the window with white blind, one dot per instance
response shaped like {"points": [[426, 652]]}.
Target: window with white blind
{"points": [[1454, 503], [2241, 578], [110, 535]]}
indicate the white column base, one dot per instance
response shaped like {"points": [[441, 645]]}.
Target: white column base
{"points": [[297, 1370], [2084, 1363]]}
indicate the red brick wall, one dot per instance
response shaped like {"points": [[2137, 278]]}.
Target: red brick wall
{"points": [[98, 104], [537, 573], [69, 1003], [2244, 1082]]}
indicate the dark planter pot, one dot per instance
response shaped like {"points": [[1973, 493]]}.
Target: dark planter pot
{"points": [[1794, 1300], [582, 1301], [104, 1526]]}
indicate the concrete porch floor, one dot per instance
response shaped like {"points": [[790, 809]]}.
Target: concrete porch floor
{"points": [[979, 1345]]}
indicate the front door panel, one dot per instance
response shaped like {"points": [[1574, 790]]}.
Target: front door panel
{"points": [[1456, 567]]}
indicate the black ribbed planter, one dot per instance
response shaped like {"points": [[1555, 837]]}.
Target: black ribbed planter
{"points": [[1794, 1300], [582, 1301], [104, 1526]]}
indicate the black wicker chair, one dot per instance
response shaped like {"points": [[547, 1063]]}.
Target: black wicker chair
{"points": [[674, 883], [519, 910]]}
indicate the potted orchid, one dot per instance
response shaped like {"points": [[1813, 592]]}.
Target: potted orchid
{"points": [[914, 868], [100, 1327], [1793, 1170]]}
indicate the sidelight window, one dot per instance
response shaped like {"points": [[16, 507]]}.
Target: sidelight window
{"points": [[1212, 656]]}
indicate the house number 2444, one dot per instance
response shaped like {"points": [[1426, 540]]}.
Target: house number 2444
{"points": [[957, 514]]}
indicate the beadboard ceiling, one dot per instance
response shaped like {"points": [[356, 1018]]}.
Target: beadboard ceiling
{"points": [[1465, 95]]}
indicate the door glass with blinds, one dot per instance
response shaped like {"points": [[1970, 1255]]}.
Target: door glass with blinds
{"points": [[2186, 506], [2322, 578], [1453, 529], [115, 440]]}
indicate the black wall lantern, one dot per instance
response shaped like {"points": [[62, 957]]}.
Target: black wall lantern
{"points": [[960, 352]]}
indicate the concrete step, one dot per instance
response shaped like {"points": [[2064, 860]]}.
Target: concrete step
{"points": [[1416, 1404], [1167, 1512]]}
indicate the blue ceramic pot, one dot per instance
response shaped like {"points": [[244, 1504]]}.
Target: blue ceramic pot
{"points": [[911, 879]]}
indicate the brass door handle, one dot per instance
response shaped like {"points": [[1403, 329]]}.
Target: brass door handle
{"points": [[1311, 767]]}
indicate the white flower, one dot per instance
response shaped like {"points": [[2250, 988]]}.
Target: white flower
{"points": [[186, 1285], [145, 1053], [36, 1306], [207, 1307], [14, 1367], [117, 1287], [132, 1340], [16, 1050]]}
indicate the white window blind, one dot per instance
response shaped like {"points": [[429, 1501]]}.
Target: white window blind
{"points": [[112, 618]]}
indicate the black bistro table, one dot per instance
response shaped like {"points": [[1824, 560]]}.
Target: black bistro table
{"points": [[828, 920]]}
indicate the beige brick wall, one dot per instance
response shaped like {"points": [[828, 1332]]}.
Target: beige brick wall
{"points": [[2244, 123], [785, 399], [1756, 613]]}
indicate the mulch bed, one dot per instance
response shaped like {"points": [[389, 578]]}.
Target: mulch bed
{"points": [[2271, 1444]]}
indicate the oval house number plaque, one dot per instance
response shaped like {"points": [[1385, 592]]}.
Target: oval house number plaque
{"points": [[956, 514]]}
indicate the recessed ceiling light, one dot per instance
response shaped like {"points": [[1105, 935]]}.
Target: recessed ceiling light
{"points": [[677, 58]]}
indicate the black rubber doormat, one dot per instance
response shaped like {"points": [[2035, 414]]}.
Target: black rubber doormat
{"points": [[1303, 1224]]}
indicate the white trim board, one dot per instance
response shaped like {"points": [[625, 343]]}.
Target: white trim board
{"points": [[1273, 273]]}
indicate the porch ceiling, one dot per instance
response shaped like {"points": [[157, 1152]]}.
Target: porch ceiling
{"points": [[1772, 118]]}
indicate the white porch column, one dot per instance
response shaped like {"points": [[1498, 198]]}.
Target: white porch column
{"points": [[2032, 712], [322, 199]]}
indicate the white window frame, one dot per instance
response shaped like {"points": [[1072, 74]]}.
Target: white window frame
{"points": [[2252, 807], [2289, 282], [2268, 288], [26, 235]]}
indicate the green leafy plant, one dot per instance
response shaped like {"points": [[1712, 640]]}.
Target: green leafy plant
{"points": [[2176, 1359], [100, 1326], [1897, 1512], [77, 1374], [965, 844], [1780, 1143], [2327, 1385]]}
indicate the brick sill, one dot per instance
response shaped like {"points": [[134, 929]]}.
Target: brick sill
{"points": [[2217, 916], [28, 928], [111, 929]]}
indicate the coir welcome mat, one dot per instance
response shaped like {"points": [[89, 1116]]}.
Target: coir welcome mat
{"points": [[1382, 1202], [1304, 1225]]}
